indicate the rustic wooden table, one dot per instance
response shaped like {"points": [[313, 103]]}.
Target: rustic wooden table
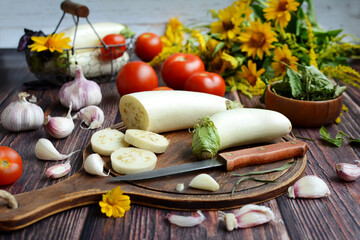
{"points": [[333, 217]]}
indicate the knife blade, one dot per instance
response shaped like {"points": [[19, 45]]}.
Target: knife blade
{"points": [[229, 160]]}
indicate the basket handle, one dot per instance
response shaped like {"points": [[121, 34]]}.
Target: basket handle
{"points": [[75, 9]]}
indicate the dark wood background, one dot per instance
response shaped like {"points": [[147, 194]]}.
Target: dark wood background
{"points": [[334, 217]]}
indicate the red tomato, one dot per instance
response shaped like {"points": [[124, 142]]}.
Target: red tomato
{"points": [[206, 82], [177, 68], [147, 46], [162, 89], [136, 76], [113, 39], [10, 165]]}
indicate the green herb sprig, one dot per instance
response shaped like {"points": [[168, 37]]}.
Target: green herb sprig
{"points": [[338, 140]]}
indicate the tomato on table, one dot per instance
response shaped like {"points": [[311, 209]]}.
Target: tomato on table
{"points": [[136, 76], [147, 46], [10, 165], [207, 82], [113, 39], [162, 89], [177, 68]]}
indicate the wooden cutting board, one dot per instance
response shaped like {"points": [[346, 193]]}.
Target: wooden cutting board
{"points": [[82, 189]]}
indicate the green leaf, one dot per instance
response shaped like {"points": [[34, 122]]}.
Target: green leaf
{"points": [[250, 178], [218, 47], [354, 140], [295, 83], [337, 141], [279, 169]]}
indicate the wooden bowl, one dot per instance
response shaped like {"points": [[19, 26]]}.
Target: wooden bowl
{"points": [[304, 113]]}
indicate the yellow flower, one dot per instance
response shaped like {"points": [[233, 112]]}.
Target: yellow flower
{"points": [[283, 55], [231, 62], [114, 203], [279, 10], [229, 22], [257, 39], [54, 42], [250, 73], [174, 34]]}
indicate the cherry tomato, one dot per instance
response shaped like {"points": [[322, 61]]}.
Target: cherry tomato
{"points": [[162, 89], [10, 165], [136, 76], [113, 39], [177, 68], [147, 46], [207, 82]]}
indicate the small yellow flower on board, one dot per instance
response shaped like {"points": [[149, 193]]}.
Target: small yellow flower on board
{"points": [[114, 203], [52, 42]]}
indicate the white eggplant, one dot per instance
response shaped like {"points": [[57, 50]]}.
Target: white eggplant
{"points": [[163, 111], [237, 127]]}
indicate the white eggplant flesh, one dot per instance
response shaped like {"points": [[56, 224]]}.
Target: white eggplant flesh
{"points": [[85, 35], [237, 127], [244, 126], [164, 111], [93, 65]]}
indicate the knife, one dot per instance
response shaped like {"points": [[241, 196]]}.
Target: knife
{"points": [[230, 160]]}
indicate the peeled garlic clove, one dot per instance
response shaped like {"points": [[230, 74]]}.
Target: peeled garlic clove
{"points": [[32, 116], [94, 164], [249, 215], [80, 92], [205, 182], [59, 170], [92, 116], [309, 186], [180, 187], [59, 127], [347, 171], [45, 150], [186, 221]]}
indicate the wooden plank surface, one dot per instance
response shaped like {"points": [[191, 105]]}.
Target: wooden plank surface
{"points": [[335, 217]]}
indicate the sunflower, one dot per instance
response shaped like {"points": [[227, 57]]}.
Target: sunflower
{"points": [[52, 42], [250, 73], [283, 55], [279, 10], [114, 203], [257, 39], [229, 21]]}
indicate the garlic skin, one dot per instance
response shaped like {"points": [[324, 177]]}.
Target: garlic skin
{"points": [[348, 172], [22, 115], [186, 221], [59, 127], [80, 92], [45, 150], [92, 116], [94, 164], [249, 215], [58, 170], [309, 186]]}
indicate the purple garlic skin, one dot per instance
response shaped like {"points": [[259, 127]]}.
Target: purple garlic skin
{"points": [[80, 92], [348, 172]]}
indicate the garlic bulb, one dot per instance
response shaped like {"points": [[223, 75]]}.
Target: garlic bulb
{"points": [[59, 127], [45, 150], [22, 115], [80, 92], [94, 164], [92, 116]]}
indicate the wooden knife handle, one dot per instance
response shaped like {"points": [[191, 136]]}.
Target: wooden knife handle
{"points": [[263, 154]]}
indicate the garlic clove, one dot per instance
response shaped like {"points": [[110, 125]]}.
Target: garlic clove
{"points": [[45, 150], [94, 164], [205, 182], [180, 187], [92, 116], [80, 92], [59, 127], [309, 186], [58, 170], [22, 115], [347, 171], [249, 215], [186, 221]]}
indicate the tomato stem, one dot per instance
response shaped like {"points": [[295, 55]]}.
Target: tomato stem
{"points": [[4, 163]]}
